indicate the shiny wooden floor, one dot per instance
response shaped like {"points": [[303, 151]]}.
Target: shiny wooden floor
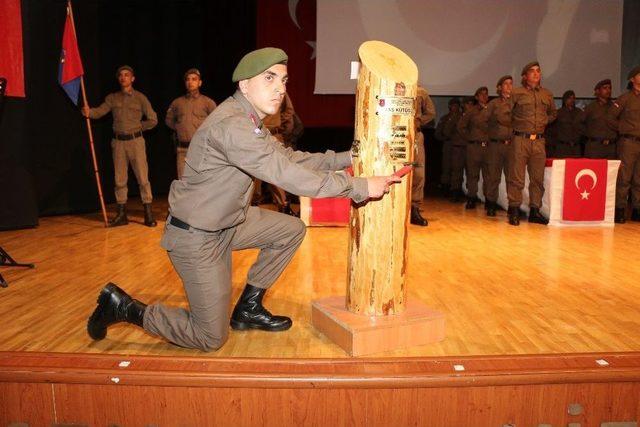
{"points": [[504, 290]]}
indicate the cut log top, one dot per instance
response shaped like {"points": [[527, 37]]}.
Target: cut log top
{"points": [[388, 62]]}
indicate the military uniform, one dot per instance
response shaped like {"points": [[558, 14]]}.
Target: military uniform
{"points": [[184, 116], [601, 139], [280, 125], [624, 117], [128, 145], [532, 109], [425, 111], [474, 129], [500, 135], [566, 133], [458, 154]]}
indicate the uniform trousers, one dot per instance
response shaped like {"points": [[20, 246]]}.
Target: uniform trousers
{"points": [[417, 185], [130, 152], [498, 164], [202, 259], [458, 160], [629, 173], [526, 155], [477, 160]]}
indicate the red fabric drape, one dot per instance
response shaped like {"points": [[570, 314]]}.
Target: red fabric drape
{"points": [[11, 56]]}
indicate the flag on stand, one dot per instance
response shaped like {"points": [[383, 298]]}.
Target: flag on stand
{"points": [[585, 190], [70, 68]]}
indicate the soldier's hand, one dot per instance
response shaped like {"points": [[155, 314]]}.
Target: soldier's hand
{"points": [[85, 110], [378, 186]]}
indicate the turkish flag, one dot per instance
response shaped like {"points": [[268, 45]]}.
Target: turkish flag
{"points": [[585, 190], [11, 57]]}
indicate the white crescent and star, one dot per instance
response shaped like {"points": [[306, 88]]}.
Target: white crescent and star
{"points": [[590, 173], [293, 13]]}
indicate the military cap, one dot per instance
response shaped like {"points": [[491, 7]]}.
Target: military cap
{"points": [[255, 62], [602, 83], [124, 68], [528, 66], [192, 71], [502, 79], [480, 89], [455, 101], [634, 71], [568, 94]]}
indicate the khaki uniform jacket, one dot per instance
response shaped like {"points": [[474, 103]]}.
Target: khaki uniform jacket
{"points": [[532, 109], [128, 110], [230, 148], [499, 110], [625, 114], [566, 129], [425, 110], [592, 123], [474, 125], [186, 114]]}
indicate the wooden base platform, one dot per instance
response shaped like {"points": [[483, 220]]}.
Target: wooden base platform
{"points": [[362, 335], [530, 311]]}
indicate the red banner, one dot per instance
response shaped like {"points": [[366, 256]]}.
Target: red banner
{"points": [[585, 190], [11, 57]]}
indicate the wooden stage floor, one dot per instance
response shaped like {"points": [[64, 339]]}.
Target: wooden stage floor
{"points": [[503, 290]]}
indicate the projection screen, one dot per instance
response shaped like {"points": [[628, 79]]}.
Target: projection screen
{"points": [[460, 45]]}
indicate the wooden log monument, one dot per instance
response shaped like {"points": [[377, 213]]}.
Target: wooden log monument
{"points": [[375, 315]]}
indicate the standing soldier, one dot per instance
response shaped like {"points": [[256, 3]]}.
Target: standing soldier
{"points": [[565, 132], [532, 108], [186, 114], [128, 107], [458, 150], [280, 125], [625, 117], [425, 112], [601, 139], [500, 134], [210, 215], [443, 134], [474, 128]]}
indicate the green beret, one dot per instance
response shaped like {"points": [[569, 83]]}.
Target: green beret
{"points": [[528, 66], [602, 83], [254, 63], [124, 68], [634, 71], [192, 71], [481, 89], [568, 94], [502, 79]]}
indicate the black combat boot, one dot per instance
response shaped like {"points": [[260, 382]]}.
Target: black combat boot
{"points": [[635, 214], [491, 208], [417, 218], [471, 203], [514, 215], [536, 217], [149, 220], [114, 306], [250, 314], [120, 218], [620, 216]]}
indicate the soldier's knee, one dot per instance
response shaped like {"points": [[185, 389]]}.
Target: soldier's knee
{"points": [[299, 228], [210, 343]]}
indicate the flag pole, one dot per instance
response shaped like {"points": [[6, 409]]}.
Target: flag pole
{"points": [[89, 131]]}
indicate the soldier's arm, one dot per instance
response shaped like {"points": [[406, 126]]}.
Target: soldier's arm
{"points": [[552, 111], [463, 126], [170, 118], [614, 114], [211, 105], [260, 157], [104, 108], [580, 123], [428, 111], [439, 130], [151, 118]]}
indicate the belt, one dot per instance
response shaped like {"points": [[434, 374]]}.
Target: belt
{"points": [[501, 141], [183, 144], [127, 136], [179, 223], [531, 136], [603, 141], [631, 137], [482, 143]]}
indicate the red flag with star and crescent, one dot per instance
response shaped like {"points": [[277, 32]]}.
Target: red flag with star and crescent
{"points": [[585, 190], [70, 67]]}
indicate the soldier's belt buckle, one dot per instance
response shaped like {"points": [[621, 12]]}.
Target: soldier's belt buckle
{"points": [[533, 137], [483, 144], [507, 142], [605, 142]]}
